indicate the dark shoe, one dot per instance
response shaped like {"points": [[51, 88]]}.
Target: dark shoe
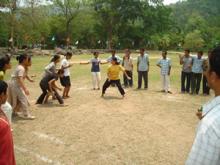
{"points": [[169, 92]]}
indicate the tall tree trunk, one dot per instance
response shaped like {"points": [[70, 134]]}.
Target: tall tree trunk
{"points": [[110, 42]]}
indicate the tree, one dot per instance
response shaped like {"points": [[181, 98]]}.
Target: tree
{"points": [[69, 10], [194, 41]]}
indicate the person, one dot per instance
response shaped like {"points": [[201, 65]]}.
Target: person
{"points": [[206, 146], [18, 91], [48, 86], [113, 77], [196, 72], [65, 80], [186, 73], [113, 55], [205, 87], [165, 65], [143, 68], [127, 63], [29, 78], [7, 156], [51, 67], [95, 70], [5, 64]]}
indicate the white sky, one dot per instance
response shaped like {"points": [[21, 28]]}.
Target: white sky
{"points": [[167, 2]]}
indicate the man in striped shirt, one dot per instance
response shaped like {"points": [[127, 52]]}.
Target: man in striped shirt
{"points": [[165, 65]]}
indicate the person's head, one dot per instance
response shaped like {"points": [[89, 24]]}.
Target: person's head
{"points": [[142, 51], [96, 54], [114, 61], [209, 53], [22, 59], [60, 73], [3, 92], [127, 52], [164, 54], [186, 52], [55, 59], [68, 55], [5, 63], [213, 72], [200, 54], [113, 52], [29, 61]]}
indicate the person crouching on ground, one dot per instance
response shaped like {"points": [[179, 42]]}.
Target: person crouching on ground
{"points": [[113, 77], [48, 87]]}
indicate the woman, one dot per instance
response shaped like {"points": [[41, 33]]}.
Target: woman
{"points": [[113, 77], [18, 91]]}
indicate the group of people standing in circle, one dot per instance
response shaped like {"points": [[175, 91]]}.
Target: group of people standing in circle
{"points": [[191, 75]]}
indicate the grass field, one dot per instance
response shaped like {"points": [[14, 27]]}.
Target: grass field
{"points": [[146, 127]]}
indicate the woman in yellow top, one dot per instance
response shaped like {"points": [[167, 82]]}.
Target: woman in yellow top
{"points": [[113, 77]]}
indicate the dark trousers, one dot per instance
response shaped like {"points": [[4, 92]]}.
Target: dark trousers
{"points": [[206, 89], [144, 75], [116, 82], [185, 81], [195, 82], [45, 90], [126, 80]]}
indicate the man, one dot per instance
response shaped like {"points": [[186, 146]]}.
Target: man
{"points": [[6, 142], [113, 52], [186, 61], [206, 147], [143, 68], [127, 63], [197, 73], [165, 65]]}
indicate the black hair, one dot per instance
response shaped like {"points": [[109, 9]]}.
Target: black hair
{"points": [[55, 57], [200, 52], [214, 61], [142, 49], [68, 54], [21, 58], [95, 53], [165, 52], [187, 50], [3, 61], [3, 87], [60, 71], [115, 60]]}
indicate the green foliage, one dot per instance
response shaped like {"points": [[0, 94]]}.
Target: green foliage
{"points": [[194, 41], [112, 23]]}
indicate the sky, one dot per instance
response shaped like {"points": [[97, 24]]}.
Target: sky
{"points": [[167, 2]]}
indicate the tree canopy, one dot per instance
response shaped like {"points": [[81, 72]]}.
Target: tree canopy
{"points": [[194, 24]]}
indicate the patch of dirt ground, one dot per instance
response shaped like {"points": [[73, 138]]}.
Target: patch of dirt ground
{"points": [[145, 128]]}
